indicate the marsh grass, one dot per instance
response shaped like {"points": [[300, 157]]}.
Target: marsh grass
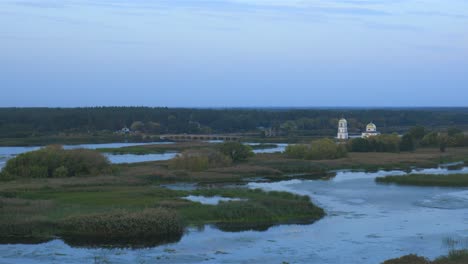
{"points": [[100, 215], [449, 180], [123, 228], [259, 208], [454, 257]]}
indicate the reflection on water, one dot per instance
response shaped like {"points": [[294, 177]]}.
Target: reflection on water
{"points": [[280, 147], [132, 158], [451, 200], [113, 145], [214, 200]]}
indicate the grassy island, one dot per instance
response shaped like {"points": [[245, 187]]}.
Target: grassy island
{"points": [[94, 215], [449, 180]]}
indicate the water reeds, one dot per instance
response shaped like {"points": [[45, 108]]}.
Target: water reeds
{"points": [[449, 180], [454, 257], [123, 228]]}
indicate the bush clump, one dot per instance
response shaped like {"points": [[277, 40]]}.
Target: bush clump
{"points": [[317, 150], [199, 160], [380, 143], [54, 161], [236, 151], [145, 228]]}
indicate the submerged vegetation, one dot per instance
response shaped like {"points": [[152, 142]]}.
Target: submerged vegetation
{"points": [[449, 180]]}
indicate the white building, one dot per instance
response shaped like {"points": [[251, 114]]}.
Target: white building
{"points": [[371, 131], [342, 129]]}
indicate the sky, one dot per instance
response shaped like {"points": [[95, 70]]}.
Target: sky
{"points": [[234, 53]]}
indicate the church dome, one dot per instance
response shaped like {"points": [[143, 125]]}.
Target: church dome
{"points": [[371, 127]]}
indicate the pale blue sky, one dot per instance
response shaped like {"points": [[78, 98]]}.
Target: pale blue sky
{"points": [[216, 53]]}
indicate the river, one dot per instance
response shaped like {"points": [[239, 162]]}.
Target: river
{"points": [[366, 223]]}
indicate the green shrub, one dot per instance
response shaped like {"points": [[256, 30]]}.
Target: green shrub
{"points": [[236, 151], [54, 161], [199, 160], [61, 172], [407, 143], [380, 143], [317, 150]]}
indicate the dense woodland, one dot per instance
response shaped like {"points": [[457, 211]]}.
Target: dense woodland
{"points": [[26, 122]]}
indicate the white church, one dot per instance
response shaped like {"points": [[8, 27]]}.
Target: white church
{"points": [[371, 130]]}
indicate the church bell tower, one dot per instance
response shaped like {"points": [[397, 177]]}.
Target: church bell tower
{"points": [[342, 129]]}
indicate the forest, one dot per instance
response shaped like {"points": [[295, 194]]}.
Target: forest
{"points": [[27, 122]]}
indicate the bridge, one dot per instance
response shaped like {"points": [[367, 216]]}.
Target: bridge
{"points": [[188, 137]]}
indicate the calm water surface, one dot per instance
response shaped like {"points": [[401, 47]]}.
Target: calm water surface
{"points": [[366, 223]]}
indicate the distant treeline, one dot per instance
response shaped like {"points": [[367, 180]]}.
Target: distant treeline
{"points": [[25, 122]]}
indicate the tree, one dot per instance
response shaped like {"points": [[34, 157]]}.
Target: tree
{"points": [[453, 131], [359, 145], [153, 127], [236, 151], [137, 126], [430, 139], [325, 149], [407, 143], [417, 132], [297, 151]]}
